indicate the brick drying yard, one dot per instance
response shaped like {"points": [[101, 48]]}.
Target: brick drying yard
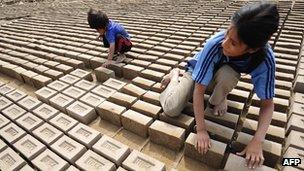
{"points": [[59, 109]]}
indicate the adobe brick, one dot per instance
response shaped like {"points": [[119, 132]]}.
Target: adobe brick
{"points": [[299, 84], [295, 153], [29, 122], [81, 112], [40, 69], [140, 161], [152, 75], [68, 149], [131, 71], [114, 83], [278, 118], [40, 81], [29, 103], [3, 145], [295, 139], [69, 79], [219, 132], [54, 74], [296, 122], [6, 89], [143, 82], [92, 161], [299, 97], [103, 91], [45, 112], [44, 94], [48, 160], [13, 112], [47, 134], [145, 108], [29, 146], [133, 90], [12, 133], [214, 155], [27, 77], [160, 68], [10, 160], [157, 88], [73, 92], [63, 122], [136, 122], [82, 74], [96, 62], [15, 95], [103, 74], [58, 85], [85, 85], [72, 168], [85, 135], [296, 108], [111, 149], [61, 102], [4, 103], [182, 120], [64, 68], [141, 63], [122, 99], [168, 62], [111, 112], [151, 97], [117, 68], [166, 134], [3, 121], [271, 150], [92, 99], [26, 168], [235, 162], [274, 133]]}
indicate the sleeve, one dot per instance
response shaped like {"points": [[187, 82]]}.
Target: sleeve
{"points": [[263, 79], [206, 59]]}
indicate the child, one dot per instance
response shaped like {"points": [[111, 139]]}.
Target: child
{"points": [[242, 48], [113, 35]]}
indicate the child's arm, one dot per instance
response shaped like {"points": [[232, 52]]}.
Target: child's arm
{"points": [[203, 140], [254, 151], [110, 55]]}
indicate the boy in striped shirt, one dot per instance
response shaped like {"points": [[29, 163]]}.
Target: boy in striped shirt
{"points": [[242, 48]]}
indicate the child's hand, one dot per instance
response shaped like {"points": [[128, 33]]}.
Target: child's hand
{"points": [[254, 154], [106, 64], [203, 143]]}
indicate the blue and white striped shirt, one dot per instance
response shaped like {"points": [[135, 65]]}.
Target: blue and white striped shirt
{"points": [[203, 65]]}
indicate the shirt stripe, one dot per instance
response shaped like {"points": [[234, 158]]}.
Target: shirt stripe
{"points": [[207, 61]]}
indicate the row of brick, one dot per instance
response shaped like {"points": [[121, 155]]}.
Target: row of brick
{"points": [[275, 133], [56, 141], [138, 116]]}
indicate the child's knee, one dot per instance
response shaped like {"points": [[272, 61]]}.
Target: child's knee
{"points": [[172, 112]]}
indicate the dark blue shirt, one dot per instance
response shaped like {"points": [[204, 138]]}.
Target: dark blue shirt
{"points": [[114, 29]]}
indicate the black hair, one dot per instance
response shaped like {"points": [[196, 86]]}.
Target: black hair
{"points": [[97, 19], [255, 23]]}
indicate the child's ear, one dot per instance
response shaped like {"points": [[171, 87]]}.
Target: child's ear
{"points": [[252, 50]]}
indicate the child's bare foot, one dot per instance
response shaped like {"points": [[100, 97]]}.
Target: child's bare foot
{"points": [[221, 109], [120, 58], [167, 78]]}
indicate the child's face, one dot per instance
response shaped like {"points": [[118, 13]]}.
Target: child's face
{"points": [[101, 31], [232, 45]]}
